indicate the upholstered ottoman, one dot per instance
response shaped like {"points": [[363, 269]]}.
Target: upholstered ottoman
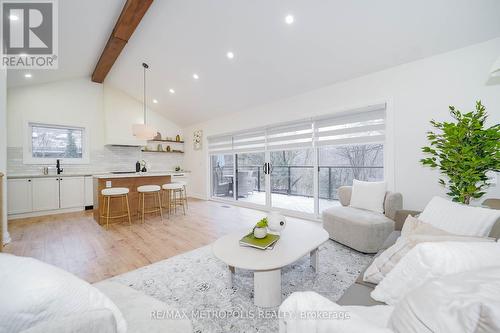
{"points": [[360, 229]]}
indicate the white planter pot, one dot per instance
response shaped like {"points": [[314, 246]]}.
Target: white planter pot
{"points": [[260, 232]]}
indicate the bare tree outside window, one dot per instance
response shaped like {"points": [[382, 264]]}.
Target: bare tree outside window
{"points": [[56, 141]]}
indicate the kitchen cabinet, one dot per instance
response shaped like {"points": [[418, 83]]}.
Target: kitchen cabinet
{"points": [[89, 191], [19, 198], [45, 193], [71, 192], [39, 194]]}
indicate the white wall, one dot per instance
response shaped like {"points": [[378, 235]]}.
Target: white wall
{"points": [[3, 150], [416, 93], [80, 102]]}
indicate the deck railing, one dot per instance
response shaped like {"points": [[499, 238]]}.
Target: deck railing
{"points": [[297, 180]]}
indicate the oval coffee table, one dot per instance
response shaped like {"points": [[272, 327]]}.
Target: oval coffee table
{"points": [[299, 238]]}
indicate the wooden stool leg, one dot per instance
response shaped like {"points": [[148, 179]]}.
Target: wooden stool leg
{"points": [[182, 202], [107, 214], [128, 210], [159, 204], [143, 207], [185, 197]]}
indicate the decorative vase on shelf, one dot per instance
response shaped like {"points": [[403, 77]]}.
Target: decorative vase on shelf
{"points": [[276, 222], [168, 148], [158, 136], [260, 232], [178, 138]]}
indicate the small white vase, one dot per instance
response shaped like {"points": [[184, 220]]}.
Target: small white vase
{"points": [[260, 232], [276, 222]]}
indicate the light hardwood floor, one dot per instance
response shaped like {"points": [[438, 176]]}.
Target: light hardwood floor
{"points": [[76, 243]]}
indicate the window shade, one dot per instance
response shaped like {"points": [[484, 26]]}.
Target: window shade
{"points": [[363, 125], [290, 136], [247, 142]]}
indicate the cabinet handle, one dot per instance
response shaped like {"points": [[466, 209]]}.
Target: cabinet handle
{"points": [[29, 180]]}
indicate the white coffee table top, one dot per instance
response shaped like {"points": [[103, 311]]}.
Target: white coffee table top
{"points": [[298, 239]]}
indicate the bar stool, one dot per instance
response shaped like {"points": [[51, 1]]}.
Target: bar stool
{"points": [[171, 190], [152, 190], [184, 192], [114, 193]]}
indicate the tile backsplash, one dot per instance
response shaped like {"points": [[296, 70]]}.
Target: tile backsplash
{"points": [[110, 158]]}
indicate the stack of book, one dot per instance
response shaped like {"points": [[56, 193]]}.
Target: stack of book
{"points": [[266, 243]]}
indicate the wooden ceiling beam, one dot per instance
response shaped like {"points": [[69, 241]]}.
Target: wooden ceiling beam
{"points": [[132, 13]]}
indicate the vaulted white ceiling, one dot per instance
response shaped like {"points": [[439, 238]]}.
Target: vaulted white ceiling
{"points": [[330, 41]]}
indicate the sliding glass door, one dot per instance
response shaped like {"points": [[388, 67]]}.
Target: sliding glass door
{"points": [[251, 180], [298, 167], [292, 180], [222, 175]]}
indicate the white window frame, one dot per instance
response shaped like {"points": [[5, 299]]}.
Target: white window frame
{"points": [[28, 145]]}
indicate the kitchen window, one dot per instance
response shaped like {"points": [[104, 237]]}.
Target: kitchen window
{"points": [[46, 143]]}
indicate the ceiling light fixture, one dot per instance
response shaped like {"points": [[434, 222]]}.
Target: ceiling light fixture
{"points": [[195, 76], [289, 19], [143, 131], [155, 101], [230, 55], [28, 75], [13, 17], [172, 91]]}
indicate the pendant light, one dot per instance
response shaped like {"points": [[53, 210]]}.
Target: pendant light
{"points": [[495, 70], [143, 131]]}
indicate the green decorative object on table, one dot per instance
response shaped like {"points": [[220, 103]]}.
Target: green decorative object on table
{"points": [[464, 151], [260, 229], [260, 243]]}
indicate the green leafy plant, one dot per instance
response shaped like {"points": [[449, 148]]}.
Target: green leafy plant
{"points": [[464, 151], [262, 223]]}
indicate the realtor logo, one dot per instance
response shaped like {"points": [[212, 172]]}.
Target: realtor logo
{"points": [[29, 34]]}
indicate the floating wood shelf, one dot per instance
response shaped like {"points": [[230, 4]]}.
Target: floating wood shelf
{"points": [[166, 141], [164, 152]]}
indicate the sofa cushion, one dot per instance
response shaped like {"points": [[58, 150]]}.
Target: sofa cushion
{"points": [[359, 229], [464, 302], [39, 292], [137, 309], [358, 294], [421, 264]]}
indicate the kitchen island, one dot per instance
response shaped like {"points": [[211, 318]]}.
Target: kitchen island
{"points": [[130, 181]]}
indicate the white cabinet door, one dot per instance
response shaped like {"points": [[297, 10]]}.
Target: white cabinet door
{"points": [[19, 196], [45, 193], [72, 192], [89, 191]]}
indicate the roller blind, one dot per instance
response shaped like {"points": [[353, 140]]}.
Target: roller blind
{"points": [[356, 128], [363, 125]]}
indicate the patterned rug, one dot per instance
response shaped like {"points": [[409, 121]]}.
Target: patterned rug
{"points": [[197, 284]]}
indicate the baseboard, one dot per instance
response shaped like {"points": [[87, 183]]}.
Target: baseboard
{"points": [[197, 196], [45, 212]]}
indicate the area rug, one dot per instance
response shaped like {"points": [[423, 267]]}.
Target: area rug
{"points": [[197, 285]]}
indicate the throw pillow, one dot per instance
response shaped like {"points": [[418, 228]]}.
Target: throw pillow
{"points": [[458, 218], [38, 292], [460, 303], [368, 195], [414, 232], [427, 261]]}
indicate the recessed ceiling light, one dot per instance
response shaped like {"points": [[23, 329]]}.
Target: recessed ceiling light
{"points": [[289, 19], [230, 55], [13, 17], [28, 75], [155, 101], [195, 76], [172, 91]]}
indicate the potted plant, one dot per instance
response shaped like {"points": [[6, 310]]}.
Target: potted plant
{"points": [[464, 151], [260, 229]]}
